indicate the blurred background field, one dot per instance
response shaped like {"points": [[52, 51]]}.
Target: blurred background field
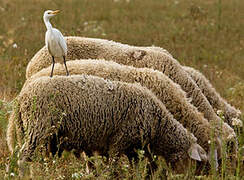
{"points": [[205, 34]]}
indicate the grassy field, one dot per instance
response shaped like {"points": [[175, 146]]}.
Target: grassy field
{"points": [[205, 34]]}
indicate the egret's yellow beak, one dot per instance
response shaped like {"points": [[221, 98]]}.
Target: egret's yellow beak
{"points": [[56, 12]]}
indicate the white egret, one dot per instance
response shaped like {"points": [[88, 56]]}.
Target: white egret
{"points": [[54, 40]]}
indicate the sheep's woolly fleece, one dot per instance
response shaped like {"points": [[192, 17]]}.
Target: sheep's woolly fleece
{"points": [[85, 48], [220, 105], [231, 114], [90, 114], [166, 90]]}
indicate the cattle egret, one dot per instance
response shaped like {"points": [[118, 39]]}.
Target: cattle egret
{"points": [[54, 40]]}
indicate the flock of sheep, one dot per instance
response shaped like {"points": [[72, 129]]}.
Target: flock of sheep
{"points": [[118, 98]]}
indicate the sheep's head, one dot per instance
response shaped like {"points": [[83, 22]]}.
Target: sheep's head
{"points": [[197, 153], [194, 154], [229, 136]]}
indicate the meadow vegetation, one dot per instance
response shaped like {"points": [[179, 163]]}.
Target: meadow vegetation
{"points": [[204, 34]]}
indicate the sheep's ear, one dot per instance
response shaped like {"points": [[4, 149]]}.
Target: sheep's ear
{"points": [[202, 153], [193, 153]]}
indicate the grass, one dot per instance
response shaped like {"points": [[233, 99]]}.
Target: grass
{"points": [[204, 34]]}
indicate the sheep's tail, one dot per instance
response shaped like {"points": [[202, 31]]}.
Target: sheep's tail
{"points": [[13, 134]]}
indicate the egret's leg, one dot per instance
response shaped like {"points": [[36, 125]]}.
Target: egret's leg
{"points": [[67, 72], [52, 66]]}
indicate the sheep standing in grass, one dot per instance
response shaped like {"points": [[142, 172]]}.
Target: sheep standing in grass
{"points": [[85, 48], [217, 102], [166, 90], [90, 114]]}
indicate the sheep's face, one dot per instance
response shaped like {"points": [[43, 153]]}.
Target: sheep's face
{"points": [[197, 153]]}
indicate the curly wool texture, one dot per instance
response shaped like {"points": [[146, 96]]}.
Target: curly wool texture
{"points": [[156, 48], [165, 89], [92, 114], [89, 48], [217, 102]]}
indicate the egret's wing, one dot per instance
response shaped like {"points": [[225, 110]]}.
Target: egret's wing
{"points": [[46, 41], [46, 38], [61, 41]]}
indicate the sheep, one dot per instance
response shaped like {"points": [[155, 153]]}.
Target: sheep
{"points": [[85, 48], [231, 114], [166, 90], [89, 113], [92, 48], [218, 103]]}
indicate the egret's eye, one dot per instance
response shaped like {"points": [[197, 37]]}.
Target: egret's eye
{"points": [[48, 13]]}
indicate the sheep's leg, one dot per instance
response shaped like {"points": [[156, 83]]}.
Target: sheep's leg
{"points": [[51, 146], [153, 167], [121, 143], [52, 66], [24, 158], [116, 148], [27, 150], [87, 162], [67, 72]]}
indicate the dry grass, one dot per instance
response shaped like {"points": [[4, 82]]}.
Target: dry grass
{"points": [[204, 34]]}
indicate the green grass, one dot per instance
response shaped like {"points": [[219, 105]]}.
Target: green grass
{"points": [[205, 34]]}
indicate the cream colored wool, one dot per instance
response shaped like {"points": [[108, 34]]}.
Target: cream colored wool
{"points": [[85, 48], [89, 48], [156, 48], [88, 113], [166, 90], [231, 114], [218, 103]]}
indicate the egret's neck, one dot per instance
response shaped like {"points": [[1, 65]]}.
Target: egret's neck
{"points": [[48, 24]]}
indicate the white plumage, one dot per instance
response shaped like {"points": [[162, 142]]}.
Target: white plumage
{"points": [[54, 40]]}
